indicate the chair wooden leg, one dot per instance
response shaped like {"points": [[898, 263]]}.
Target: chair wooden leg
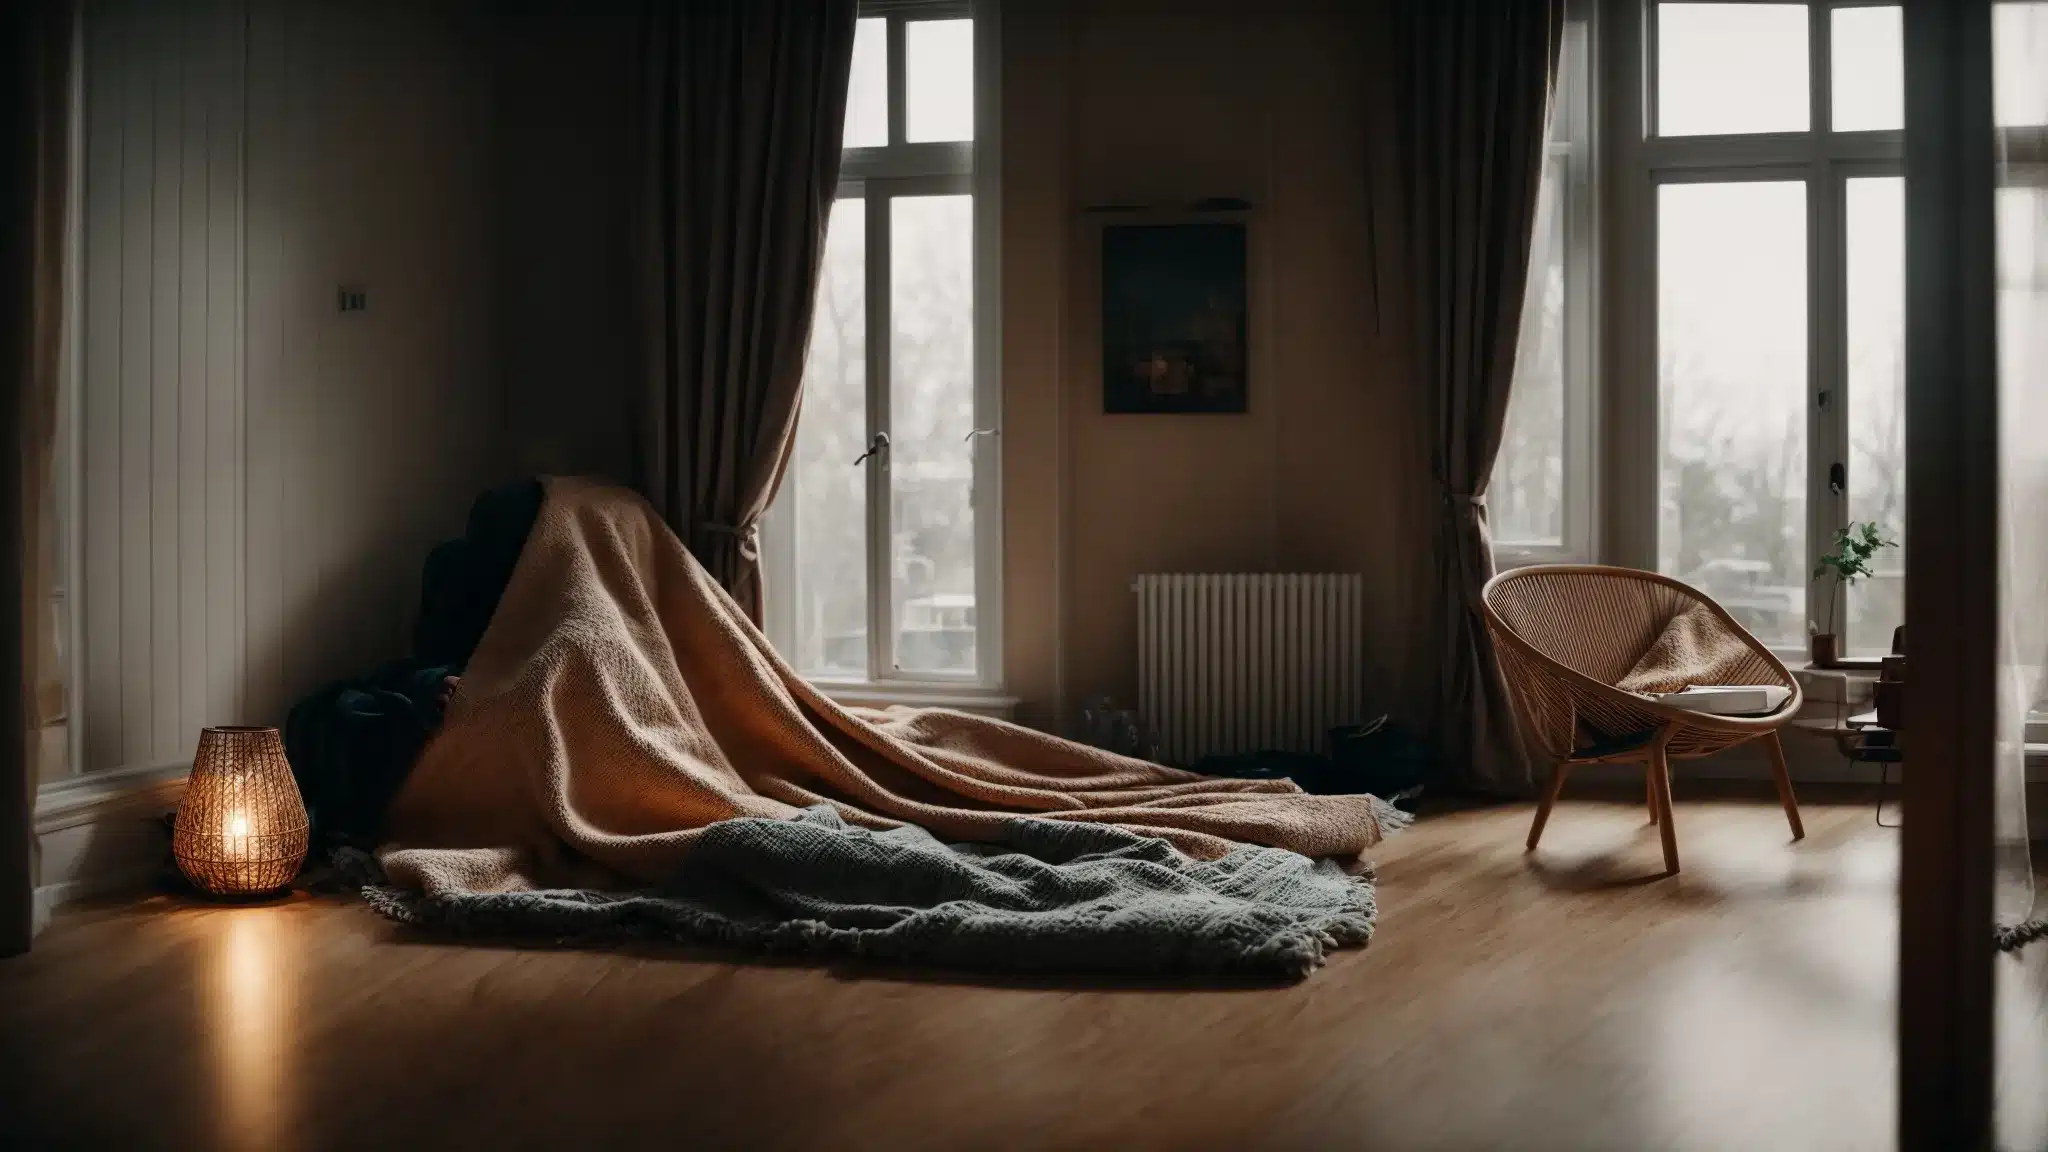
{"points": [[1544, 805], [1660, 784], [1650, 794], [1783, 776]]}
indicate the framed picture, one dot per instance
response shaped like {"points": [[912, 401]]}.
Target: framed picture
{"points": [[1174, 328]]}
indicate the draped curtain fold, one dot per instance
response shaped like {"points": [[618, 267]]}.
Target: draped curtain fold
{"points": [[1455, 156], [741, 105], [35, 115]]}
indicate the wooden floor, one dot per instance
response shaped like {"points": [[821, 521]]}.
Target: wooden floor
{"points": [[1568, 999]]}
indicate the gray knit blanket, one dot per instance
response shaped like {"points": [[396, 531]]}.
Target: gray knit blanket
{"points": [[1056, 898]]}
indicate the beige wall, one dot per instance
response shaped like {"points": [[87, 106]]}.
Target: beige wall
{"points": [[261, 474], [1156, 103], [1104, 101]]}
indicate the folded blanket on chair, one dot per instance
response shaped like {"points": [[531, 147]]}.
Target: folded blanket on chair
{"points": [[620, 705], [1068, 898]]}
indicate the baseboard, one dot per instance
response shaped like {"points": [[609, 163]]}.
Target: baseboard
{"points": [[44, 903], [1811, 759], [105, 834], [146, 789]]}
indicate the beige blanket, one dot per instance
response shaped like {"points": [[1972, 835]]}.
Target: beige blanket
{"points": [[1694, 648], [620, 702]]}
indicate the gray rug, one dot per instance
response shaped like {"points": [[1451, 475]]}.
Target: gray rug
{"points": [[1059, 898]]}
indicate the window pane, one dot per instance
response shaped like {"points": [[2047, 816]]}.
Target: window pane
{"points": [[1876, 275], [1869, 70], [867, 89], [1525, 501], [1731, 373], [938, 80], [831, 532], [1731, 68], [2019, 43], [931, 413]]}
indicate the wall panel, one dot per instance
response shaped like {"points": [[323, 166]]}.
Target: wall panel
{"points": [[261, 474]]}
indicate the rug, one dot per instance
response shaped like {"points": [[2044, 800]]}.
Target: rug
{"points": [[1057, 899]]}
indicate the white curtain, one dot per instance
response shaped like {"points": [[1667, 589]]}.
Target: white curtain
{"points": [[2020, 85]]}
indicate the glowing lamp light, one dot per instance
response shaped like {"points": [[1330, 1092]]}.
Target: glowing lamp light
{"points": [[241, 828]]}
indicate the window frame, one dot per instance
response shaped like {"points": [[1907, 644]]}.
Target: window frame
{"points": [[1574, 134], [877, 175], [1824, 160]]}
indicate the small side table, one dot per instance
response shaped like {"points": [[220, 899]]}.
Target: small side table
{"points": [[1864, 741]]}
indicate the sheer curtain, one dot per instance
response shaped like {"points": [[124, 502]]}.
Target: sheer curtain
{"points": [[2020, 104]]}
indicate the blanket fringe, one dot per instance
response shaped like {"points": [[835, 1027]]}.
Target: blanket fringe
{"points": [[1391, 819], [2013, 937]]}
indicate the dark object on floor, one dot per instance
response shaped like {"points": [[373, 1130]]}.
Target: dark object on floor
{"points": [[464, 578], [352, 742], [1057, 897], [1378, 757]]}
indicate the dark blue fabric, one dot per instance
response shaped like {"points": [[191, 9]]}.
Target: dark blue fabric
{"points": [[352, 743], [464, 578]]}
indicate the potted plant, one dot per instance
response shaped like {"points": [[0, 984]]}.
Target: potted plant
{"points": [[1855, 545]]}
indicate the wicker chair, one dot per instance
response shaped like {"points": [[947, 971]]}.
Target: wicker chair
{"points": [[1567, 633]]}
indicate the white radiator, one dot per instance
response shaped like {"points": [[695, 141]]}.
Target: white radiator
{"points": [[1244, 663]]}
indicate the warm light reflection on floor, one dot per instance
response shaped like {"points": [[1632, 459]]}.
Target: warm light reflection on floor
{"points": [[253, 1006]]}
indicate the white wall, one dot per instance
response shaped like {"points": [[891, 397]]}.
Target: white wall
{"points": [[261, 474]]}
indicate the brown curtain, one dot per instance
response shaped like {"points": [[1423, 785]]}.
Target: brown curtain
{"points": [[741, 103], [1455, 148], [35, 97]]}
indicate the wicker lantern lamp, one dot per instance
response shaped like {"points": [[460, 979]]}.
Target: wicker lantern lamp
{"points": [[241, 828]]}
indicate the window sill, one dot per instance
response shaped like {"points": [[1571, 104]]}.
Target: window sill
{"points": [[1506, 558], [959, 697]]}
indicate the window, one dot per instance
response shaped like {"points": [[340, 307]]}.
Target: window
{"points": [[1875, 298], [878, 548], [1729, 68], [1540, 500], [1731, 383], [1771, 227]]}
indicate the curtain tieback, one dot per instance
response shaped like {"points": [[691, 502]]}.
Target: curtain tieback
{"points": [[1465, 500], [748, 535]]}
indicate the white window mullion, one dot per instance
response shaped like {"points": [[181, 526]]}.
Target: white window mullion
{"points": [[1827, 377], [898, 84], [1827, 390], [988, 350], [881, 590], [1820, 68]]}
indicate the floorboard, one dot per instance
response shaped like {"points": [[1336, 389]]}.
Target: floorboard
{"points": [[1568, 998]]}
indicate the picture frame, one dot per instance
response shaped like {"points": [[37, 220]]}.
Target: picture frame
{"points": [[1175, 316]]}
